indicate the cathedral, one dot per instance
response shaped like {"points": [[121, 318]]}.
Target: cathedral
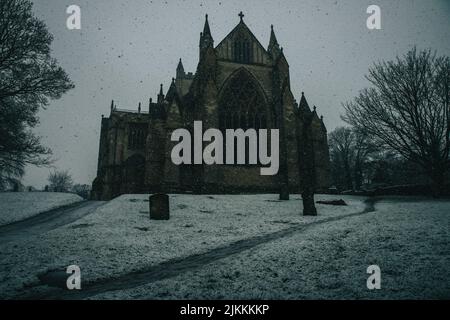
{"points": [[238, 84]]}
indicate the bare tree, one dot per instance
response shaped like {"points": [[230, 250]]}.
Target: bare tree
{"points": [[350, 152], [29, 77], [407, 110], [341, 142], [60, 181]]}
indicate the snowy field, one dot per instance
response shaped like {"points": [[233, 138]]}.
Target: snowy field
{"points": [[16, 206], [409, 241], [119, 237]]}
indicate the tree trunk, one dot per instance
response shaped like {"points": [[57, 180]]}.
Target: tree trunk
{"points": [[358, 178], [437, 182], [348, 176], [309, 172], [309, 207]]}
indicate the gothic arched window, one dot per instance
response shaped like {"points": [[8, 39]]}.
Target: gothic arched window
{"points": [[137, 134], [242, 104]]}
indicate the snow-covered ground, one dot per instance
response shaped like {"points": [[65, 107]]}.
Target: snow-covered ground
{"points": [[16, 206], [119, 237], [408, 240]]}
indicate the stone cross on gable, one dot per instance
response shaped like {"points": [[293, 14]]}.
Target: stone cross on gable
{"points": [[241, 15]]}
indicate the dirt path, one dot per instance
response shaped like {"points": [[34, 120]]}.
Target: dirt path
{"points": [[47, 221], [171, 268]]}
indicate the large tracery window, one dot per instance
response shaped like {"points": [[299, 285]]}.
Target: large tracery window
{"points": [[242, 104]]}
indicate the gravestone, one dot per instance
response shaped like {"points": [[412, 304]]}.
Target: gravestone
{"points": [[159, 207], [284, 193]]}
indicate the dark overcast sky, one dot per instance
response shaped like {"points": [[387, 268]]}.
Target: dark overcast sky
{"points": [[125, 49]]}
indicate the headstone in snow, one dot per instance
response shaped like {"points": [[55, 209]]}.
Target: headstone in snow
{"points": [[159, 207], [284, 193]]}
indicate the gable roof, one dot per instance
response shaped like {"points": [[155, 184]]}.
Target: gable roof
{"points": [[243, 31]]}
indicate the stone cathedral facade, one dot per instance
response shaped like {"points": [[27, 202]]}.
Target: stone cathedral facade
{"points": [[238, 84]]}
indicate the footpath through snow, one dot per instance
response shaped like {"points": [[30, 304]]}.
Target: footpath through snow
{"points": [[17, 206]]}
